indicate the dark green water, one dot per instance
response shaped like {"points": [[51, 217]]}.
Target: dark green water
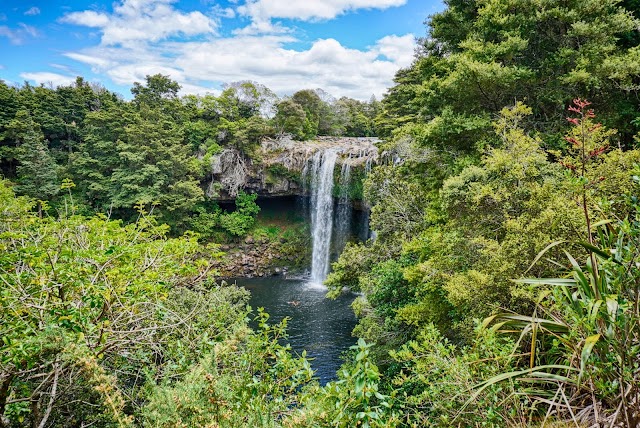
{"points": [[318, 325]]}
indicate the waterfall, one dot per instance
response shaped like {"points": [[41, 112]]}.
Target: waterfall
{"points": [[306, 186], [332, 226], [343, 214], [367, 166], [322, 166]]}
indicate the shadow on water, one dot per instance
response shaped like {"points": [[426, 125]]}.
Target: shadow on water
{"points": [[318, 325]]}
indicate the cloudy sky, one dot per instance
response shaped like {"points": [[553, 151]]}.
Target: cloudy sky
{"points": [[346, 47]]}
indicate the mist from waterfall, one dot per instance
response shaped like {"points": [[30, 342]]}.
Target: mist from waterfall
{"points": [[321, 178]]}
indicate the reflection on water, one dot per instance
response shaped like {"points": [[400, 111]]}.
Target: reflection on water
{"points": [[318, 325]]}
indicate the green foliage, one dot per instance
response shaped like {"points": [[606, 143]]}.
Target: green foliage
{"points": [[354, 259], [313, 108], [480, 56], [448, 252], [448, 249], [582, 330], [387, 290], [357, 117], [309, 113], [154, 166], [158, 89], [200, 135], [210, 220], [8, 104], [155, 150], [587, 326], [83, 297], [238, 222], [401, 215], [248, 380], [244, 134], [36, 169], [205, 223], [468, 193], [355, 398], [290, 118], [247, 99], [451, 131], [435, 379], [354, 188], [278, 170], [127, 321]]}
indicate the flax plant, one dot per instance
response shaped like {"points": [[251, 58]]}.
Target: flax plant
{"points": [[583, 338]]}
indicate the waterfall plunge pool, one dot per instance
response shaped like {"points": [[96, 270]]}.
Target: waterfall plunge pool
{"points": [[316, 324]]}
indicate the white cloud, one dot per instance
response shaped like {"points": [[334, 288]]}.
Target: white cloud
{"points": [[45, 77], [143, 37], [61, 67], [326, 64], [10, 34], [143, 20], [310, 10], [262, 27], [398, 49], [28, 29], [18, 35], [188, 88], [227, 12], [87, 59], [33, 11], [87, 18]]}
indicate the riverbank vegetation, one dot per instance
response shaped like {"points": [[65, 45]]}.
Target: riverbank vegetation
{"points": [[501, 288]]}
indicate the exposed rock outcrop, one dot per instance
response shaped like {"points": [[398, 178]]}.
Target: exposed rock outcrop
{"points": [[276, 169], [258, 257]]}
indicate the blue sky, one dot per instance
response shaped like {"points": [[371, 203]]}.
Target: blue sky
{"points": [[346, 47]]}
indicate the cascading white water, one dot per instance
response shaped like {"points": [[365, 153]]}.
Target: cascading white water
{"points": [[322, 166], [367, 166], [343, 214]]}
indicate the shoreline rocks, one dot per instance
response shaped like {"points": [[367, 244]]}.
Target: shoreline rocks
{"points": [[258, 258]]}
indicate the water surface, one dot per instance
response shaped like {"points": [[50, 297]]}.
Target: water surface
{"points": [[318, 325]]}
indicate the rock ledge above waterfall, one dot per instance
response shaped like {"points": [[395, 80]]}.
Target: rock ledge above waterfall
{"points": [[276, 169]]}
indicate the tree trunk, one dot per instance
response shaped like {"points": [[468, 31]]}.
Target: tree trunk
{"points": [[4, 394]]}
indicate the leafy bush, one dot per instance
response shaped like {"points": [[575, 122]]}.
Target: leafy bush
{"points": [[239, 222], [584, 333], [91, 310], [355, 399], [210, 221], [436, 378], [250, 379]]}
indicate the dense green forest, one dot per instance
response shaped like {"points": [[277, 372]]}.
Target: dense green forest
{"points": [[501, 289], [156, 149]]}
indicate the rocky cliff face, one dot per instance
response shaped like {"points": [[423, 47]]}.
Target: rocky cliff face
{"points": [[277, 168]]}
